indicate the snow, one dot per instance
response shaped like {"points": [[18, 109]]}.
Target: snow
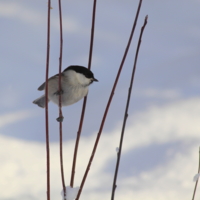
{"points": [[117, 149], [196, 177], [70, 192]]}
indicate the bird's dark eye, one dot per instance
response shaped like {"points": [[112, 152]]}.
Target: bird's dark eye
{"points": [[88, 75]]}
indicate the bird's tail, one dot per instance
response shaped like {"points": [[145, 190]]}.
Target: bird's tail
{"points": [[40, 101]]}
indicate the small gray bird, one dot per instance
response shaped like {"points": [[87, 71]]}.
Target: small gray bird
{"points": [[74, 86]]}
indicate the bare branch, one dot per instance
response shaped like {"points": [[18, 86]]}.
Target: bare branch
{"points": [[85, 99], [126, 111], [197, 179], [46, 101], [109, 102], [60, 104]]}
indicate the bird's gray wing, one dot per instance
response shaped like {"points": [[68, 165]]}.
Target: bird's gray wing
{"points": [[42, 87]]}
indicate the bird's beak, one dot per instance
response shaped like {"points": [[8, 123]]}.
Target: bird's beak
{"points": [[94, 79]]}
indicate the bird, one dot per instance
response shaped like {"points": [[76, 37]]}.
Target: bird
{"points": [[75, 81]]}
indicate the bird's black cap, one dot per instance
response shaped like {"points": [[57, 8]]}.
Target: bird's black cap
{"points": [[82, 70]]}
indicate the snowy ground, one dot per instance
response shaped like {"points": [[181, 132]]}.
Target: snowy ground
{"points": [[159, 160]]}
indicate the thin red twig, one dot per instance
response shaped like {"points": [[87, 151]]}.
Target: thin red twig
{"points": [[85, 99], [195, 187], [77, 142], [92, 35], [126, 110], [60, 105], [46, 101], [61, 163], [108, 104]]}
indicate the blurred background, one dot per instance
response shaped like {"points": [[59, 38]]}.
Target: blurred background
{"points": [[160, 152]]}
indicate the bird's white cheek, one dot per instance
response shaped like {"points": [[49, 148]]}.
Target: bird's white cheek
{"points": [[82, 79]]}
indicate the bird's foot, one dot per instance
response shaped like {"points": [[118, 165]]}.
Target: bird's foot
{"points": [[60, 119], [59, 92]]}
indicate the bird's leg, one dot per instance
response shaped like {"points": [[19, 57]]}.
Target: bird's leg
{"points": [[60, 118], [59, 92]]}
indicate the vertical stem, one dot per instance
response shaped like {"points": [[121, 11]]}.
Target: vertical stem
{"points": [[46, 101], [108, 104], [85, 99], [60, 105], [61, 163], [77, 143], [126, 111], [197, 179], [92, 35]]}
